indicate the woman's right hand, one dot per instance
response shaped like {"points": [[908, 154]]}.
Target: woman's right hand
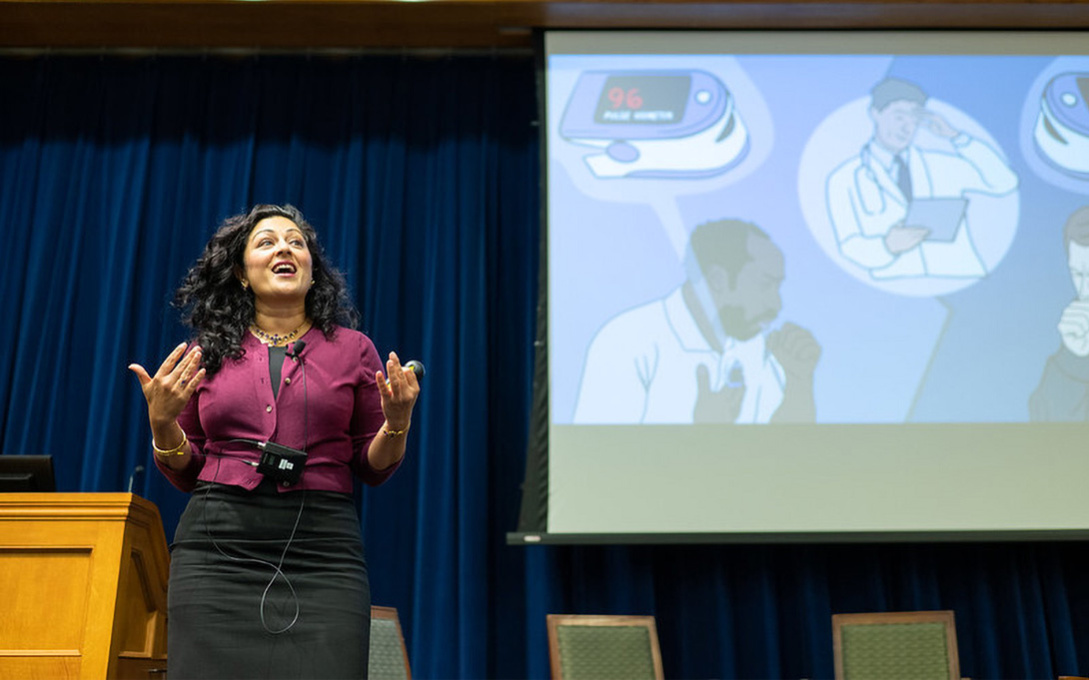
{"points": [[169, 390]]}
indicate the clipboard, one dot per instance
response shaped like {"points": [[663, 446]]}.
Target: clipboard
{"points": [[942, 216]]}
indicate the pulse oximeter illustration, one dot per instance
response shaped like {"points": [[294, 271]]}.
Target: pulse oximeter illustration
{"points": [[655, 124], [1062, 128]]}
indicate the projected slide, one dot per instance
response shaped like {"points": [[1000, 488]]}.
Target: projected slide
{"points": [[798, 282], [758, 238]]}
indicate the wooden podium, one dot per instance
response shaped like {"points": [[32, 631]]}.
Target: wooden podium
{"points": [[82, 586]]}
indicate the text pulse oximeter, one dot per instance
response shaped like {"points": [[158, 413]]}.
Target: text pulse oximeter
{"points": [[1062, 128], [655, 124]]}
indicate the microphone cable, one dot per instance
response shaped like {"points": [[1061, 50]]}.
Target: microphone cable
{"points": [[277, 568]]}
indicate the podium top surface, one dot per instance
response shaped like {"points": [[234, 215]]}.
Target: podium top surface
{"points": [[87, 505]]}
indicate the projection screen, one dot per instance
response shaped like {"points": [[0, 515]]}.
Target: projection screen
{"points": [[816, 285]]}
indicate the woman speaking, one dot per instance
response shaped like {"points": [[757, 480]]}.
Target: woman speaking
{"points": [[266, 417]]}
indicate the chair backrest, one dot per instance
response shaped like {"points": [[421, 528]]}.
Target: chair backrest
{"points": [[896, 646], [605, 647], [388, 655]]}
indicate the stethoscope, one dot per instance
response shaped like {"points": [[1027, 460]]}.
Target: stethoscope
{"points": [[870, 192]]}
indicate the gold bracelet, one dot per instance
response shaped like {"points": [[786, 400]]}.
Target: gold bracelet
{"points": [[394, 433], [176, 451]]}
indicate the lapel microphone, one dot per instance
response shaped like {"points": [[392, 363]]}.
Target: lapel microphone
{"points": [[296, 349]]}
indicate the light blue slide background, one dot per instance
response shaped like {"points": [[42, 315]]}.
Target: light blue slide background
{"points": [[969, 352]]}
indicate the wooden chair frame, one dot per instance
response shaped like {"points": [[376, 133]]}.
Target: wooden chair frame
{"points": [[557, 620], [390, 613], [944, 617]]}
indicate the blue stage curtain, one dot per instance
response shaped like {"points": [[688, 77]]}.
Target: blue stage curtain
{"points": [[422, 177]]}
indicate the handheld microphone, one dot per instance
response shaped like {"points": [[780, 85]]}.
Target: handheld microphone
{"points": [[417, 368]]}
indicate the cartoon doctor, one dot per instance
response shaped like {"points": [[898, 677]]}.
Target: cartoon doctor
{"points": [[869, 195]]}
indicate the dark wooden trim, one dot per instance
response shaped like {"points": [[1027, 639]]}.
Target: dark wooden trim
{"points": [[454, 24]]}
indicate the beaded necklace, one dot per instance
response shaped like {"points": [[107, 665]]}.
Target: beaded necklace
{"points": [[275, 339]]}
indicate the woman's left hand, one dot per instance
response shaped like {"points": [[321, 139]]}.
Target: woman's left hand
{"points": [[399, 393]]}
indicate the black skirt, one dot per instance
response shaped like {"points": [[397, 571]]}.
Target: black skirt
{"points": [[268, 585]]}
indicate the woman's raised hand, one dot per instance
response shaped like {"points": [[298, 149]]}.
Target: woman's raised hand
{"points": [[399, 393], [169, 390]]}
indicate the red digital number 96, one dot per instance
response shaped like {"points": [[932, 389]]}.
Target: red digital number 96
{"points": [[630, 98]]}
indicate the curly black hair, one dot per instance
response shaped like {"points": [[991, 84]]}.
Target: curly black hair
{"points": [[216, 306]]}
